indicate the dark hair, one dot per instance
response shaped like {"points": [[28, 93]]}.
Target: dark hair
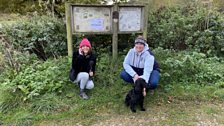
{"points": [[90, 51]]}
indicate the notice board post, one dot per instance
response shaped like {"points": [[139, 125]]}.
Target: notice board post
{"points": [[69, 28], [115, 31]]}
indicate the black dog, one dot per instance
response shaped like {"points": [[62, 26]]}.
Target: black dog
{"points": [[136, 95]]}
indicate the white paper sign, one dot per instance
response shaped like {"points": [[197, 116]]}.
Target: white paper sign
{"points": [[96, 24], [130, 19]]}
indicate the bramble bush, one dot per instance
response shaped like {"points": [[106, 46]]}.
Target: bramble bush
{"points": [[189, 67], [41, 35], [188, 27], [11, 60], [108, 69], [39, 78]]}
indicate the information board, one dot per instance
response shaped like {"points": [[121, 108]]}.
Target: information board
{"points": [[130, 19], [92, 19]]}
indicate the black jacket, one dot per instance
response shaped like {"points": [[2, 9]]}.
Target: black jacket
{"points": [[81, 63]]}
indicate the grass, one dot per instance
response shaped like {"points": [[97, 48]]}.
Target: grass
{"points": [[180, 104]]}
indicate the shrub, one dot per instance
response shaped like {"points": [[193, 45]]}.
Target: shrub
{"points": [[187, 27], [44, 36], [189, 67], [38, 79], [12, 59], [107, 69]]}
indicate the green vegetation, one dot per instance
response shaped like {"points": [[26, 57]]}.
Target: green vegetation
{"points": [[44, 36], [43, 93], [188, 44], [188, 27]]}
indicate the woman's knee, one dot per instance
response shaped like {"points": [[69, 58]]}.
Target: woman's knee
{"points": [[154, 79], [90, 85], [122, 74], [125, 76], [83, 76], [152, 85]]}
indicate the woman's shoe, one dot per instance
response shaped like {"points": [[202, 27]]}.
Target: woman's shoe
{"points": [[83, 95]]}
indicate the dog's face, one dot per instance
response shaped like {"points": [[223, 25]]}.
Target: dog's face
{"points": [[140, 85]]}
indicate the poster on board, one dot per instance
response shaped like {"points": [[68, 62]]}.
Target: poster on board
{"points": [[130, 19], [92, 19]]}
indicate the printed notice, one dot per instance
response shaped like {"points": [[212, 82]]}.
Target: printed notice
{"points": [[91, 19], [97, 24], [130, 19]]}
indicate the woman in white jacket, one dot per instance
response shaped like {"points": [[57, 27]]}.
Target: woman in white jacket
{"points": [[140, 63]]}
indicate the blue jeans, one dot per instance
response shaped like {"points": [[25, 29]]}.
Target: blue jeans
{"points": [[153, 80]]}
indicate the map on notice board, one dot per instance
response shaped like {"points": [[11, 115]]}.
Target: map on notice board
{"points": [[91, 19], [130, 19]]}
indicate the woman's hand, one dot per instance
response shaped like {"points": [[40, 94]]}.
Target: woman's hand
{"points": [[91, 74], [80, 51], [135, 77]]}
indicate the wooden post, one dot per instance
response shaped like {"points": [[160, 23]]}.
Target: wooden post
{"points": [[52, 8], [115, 32], [145, 29], [69, 28]]}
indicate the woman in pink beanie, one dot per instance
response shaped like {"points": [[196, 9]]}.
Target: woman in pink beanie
{"points": [[83, 67]]}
